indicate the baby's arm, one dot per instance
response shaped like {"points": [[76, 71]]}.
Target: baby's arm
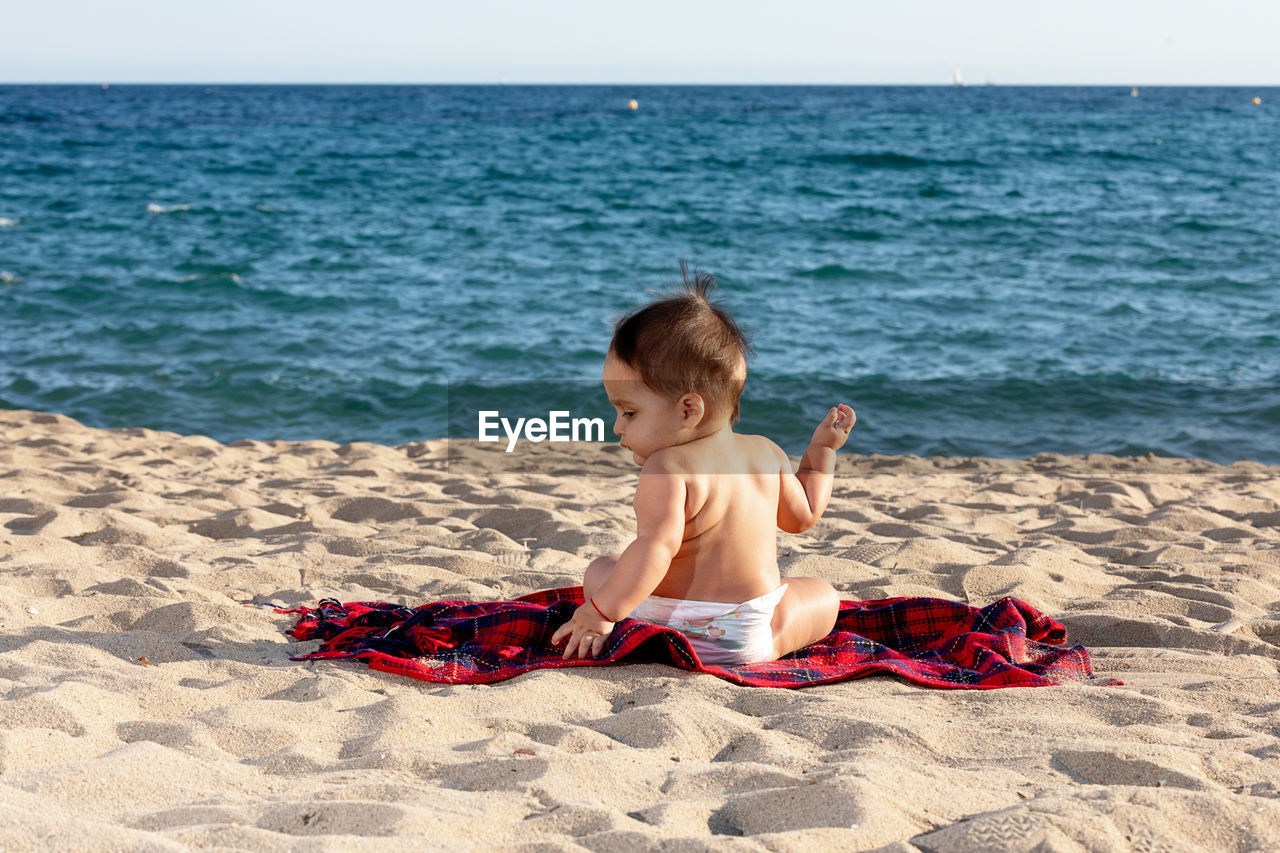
{"points": [[659, 508], [803, 497]]}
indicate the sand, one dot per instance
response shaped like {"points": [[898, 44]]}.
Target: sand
{"points": [[147, 708]]}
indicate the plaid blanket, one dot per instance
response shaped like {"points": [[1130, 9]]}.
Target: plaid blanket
{"points": [[928, 641]]}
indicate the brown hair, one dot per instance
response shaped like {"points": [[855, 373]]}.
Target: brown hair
{"points": [[685, 343]]}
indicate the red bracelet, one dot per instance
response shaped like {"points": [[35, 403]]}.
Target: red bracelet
{"points": [[598, 610]]}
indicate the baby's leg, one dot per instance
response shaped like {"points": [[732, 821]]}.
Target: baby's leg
{"points": [[806, 614], [597, 573]]}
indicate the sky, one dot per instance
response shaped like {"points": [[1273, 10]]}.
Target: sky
{"points": [[1124, 42]]}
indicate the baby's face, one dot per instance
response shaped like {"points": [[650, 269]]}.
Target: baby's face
{"points": [[645, 420]]}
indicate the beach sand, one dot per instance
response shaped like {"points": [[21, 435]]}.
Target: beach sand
{"points": [[146, 708]]}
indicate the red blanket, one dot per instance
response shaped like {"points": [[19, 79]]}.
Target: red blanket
{"points": [[928, 641]]}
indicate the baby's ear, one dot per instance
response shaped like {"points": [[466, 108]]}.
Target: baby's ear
{"points": [[692, 410]]}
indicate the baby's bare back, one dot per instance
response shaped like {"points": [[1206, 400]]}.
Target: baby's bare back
{"points": [[730, 544]]}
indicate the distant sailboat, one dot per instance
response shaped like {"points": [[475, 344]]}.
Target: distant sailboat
{"points": [[1133, 93], [957, 79]]}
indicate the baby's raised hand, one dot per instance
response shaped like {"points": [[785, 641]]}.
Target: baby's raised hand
{"points": [[584, 634], [833, 432]]}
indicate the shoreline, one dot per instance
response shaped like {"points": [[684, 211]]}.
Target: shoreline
{"points": [[147, 706], [440, 445]]}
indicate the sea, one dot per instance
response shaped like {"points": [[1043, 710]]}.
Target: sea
{"points": [[979, 271]]}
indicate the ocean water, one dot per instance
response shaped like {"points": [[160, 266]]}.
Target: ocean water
{"points": [[979, 271]]}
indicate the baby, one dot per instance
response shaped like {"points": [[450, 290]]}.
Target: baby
{"points": [[709, 501]]}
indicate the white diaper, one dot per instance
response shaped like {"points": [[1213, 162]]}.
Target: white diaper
{"points": [[720, 632]]}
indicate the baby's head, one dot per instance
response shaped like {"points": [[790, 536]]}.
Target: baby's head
{"points": [[684, 351]]}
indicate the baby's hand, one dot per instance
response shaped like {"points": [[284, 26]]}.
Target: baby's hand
{"points": [[587, 632], [833, 432]]}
